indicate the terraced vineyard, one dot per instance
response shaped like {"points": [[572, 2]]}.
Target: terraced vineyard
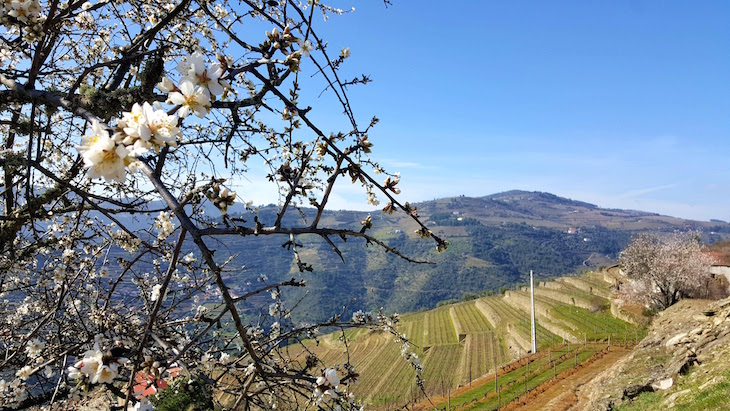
{"points": [[438, 328], [469, 317], [514, 325], [482, 351], [526, 378], [412, 325], [462, 342]]}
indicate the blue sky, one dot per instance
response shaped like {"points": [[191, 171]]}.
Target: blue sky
{"points": [[621, 103]]}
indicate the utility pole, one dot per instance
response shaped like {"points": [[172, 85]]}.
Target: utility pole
{"points": [[532, 314]]}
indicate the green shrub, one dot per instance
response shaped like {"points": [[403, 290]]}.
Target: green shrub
{"points": [[447, 302]]}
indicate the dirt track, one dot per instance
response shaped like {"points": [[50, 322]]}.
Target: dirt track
{"points": [[553, 395], [561, 395]]}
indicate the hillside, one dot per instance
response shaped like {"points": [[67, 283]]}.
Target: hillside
{"points": [[461, 342], [682, 364], [495, 241]]}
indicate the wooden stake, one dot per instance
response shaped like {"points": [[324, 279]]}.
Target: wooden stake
{"points": [[499, 398], [494, 355]]}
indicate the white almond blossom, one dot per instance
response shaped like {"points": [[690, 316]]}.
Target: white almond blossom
{"points": [[89, 365], [166, 85], [190, 98], [24, 373], [145, 127], [164, 225], [25, 11], [105, 374], [155, 293], [326, 386], [96, 367], [225, 358], [34, 348], [162, 126], [194, 68], [305, 47], [102, 156], [227, 198], [48, 372]]}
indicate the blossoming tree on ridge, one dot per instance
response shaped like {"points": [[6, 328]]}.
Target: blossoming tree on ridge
{"points": [[106, 106]]}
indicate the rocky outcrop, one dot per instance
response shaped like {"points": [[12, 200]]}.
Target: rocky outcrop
{"points": [[685, 335]]}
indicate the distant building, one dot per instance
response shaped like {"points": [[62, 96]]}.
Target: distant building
{"points": [[716, 270], [721, 270]]}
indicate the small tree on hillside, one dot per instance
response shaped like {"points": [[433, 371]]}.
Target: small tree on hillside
{"points": [[662, 271]]}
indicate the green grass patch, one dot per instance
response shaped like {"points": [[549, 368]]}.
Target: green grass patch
{"points": [[712, 398]]}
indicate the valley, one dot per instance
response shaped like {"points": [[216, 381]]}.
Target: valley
{"points": [[462, 344], [494, 241]]}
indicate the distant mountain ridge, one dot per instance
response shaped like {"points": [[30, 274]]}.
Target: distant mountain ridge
{"points": [[495, 241], [541, 208], [515, 195]]}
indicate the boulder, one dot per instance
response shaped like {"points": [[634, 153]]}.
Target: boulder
{"points": [[663, 385]]}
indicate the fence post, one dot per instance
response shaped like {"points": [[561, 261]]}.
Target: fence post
{"points": [[499, 397], [494, 355]]}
